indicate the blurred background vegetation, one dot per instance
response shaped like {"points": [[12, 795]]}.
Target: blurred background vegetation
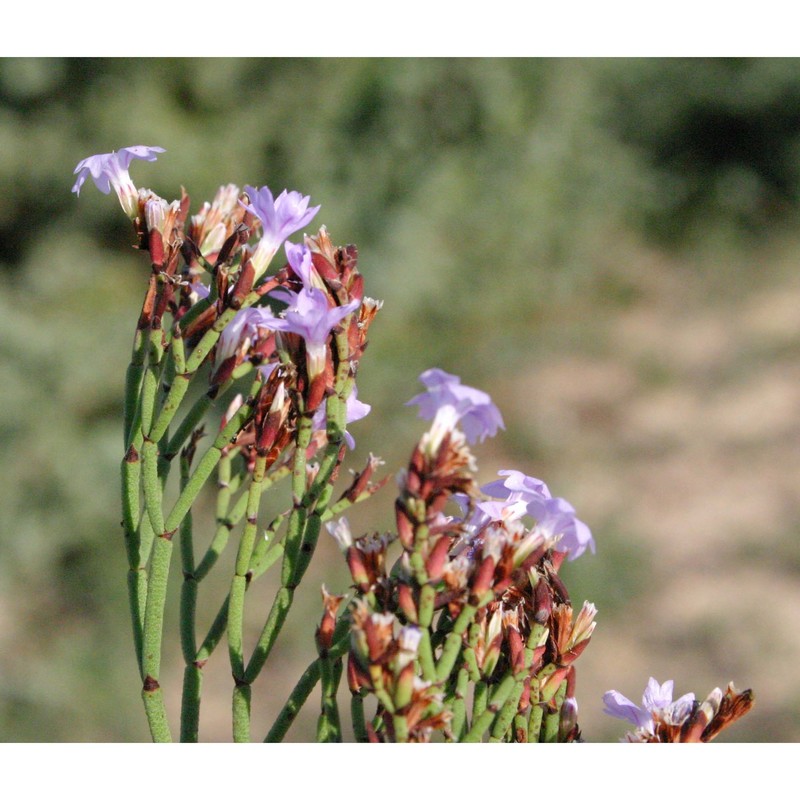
{"points": [[609, 247]]}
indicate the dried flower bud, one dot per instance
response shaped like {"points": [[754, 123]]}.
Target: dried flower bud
{"points": [[331, 603]]}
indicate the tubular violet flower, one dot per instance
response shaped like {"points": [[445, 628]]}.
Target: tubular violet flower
{"points": [[309, 315], [657, 705], [110, 170], [517, 490], [280, 218], [244, 326], [556, 521], [517, 486], [299, 258], [478, 415]]}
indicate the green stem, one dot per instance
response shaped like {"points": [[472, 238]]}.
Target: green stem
{"points": [[154, 607], [294, 536], [131, 473], [137, 578], [520, 728], [215, 634], [242, 694], [152, 486], [192, 677], [303, 688], [133, 382], [453, 642], [171, 405], [152, 636], [497, 699], [190, 702], [459, 720], [329, 728], [137, 598], [479, 699], [357, 717], [239, 582], [188, 424], [226, 485], [209, 461], [308, 680], [156, 711], [150, 383], [507, 713], [537, 710], [218, 627], [400, 724], [552, 716]]}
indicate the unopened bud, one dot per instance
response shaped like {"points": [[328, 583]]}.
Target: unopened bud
{"points": [[234, 406], [214, 239]]}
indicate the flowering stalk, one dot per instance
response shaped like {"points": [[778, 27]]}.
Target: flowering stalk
{"points": [[474, 602], [193, 676]]}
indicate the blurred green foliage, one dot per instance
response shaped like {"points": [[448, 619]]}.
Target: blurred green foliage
{"points": [[492, 202]]}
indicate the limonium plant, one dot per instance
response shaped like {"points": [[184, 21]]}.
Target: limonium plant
{"points": [[457, 626]]}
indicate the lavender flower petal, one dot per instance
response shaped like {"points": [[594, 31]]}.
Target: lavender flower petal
{"points": [[517, 486], [110, 170], [354, 411], [299, 258], [478, 415], [657, 696], [556, 521], [280, 217], [617, 705]]}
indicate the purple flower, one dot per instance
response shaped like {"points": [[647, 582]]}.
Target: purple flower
{"points": [[517, 489], [242, 327], [309, 315], [555, 517], [477, 413], [517, 486], [111, 170], [617, 705], [499, 511], [556, 521], [657, 705], [299, 258], [280, 218], [354, 411]]}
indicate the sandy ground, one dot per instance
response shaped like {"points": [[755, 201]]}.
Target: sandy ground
{"points": [[681, 443]]}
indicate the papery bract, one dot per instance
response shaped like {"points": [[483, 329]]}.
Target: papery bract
{"points": [[340, 530]]}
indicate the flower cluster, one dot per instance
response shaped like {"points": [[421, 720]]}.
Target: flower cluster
{"points": [[479, 583], [473, 606], [383, 663], [662, 719]]}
